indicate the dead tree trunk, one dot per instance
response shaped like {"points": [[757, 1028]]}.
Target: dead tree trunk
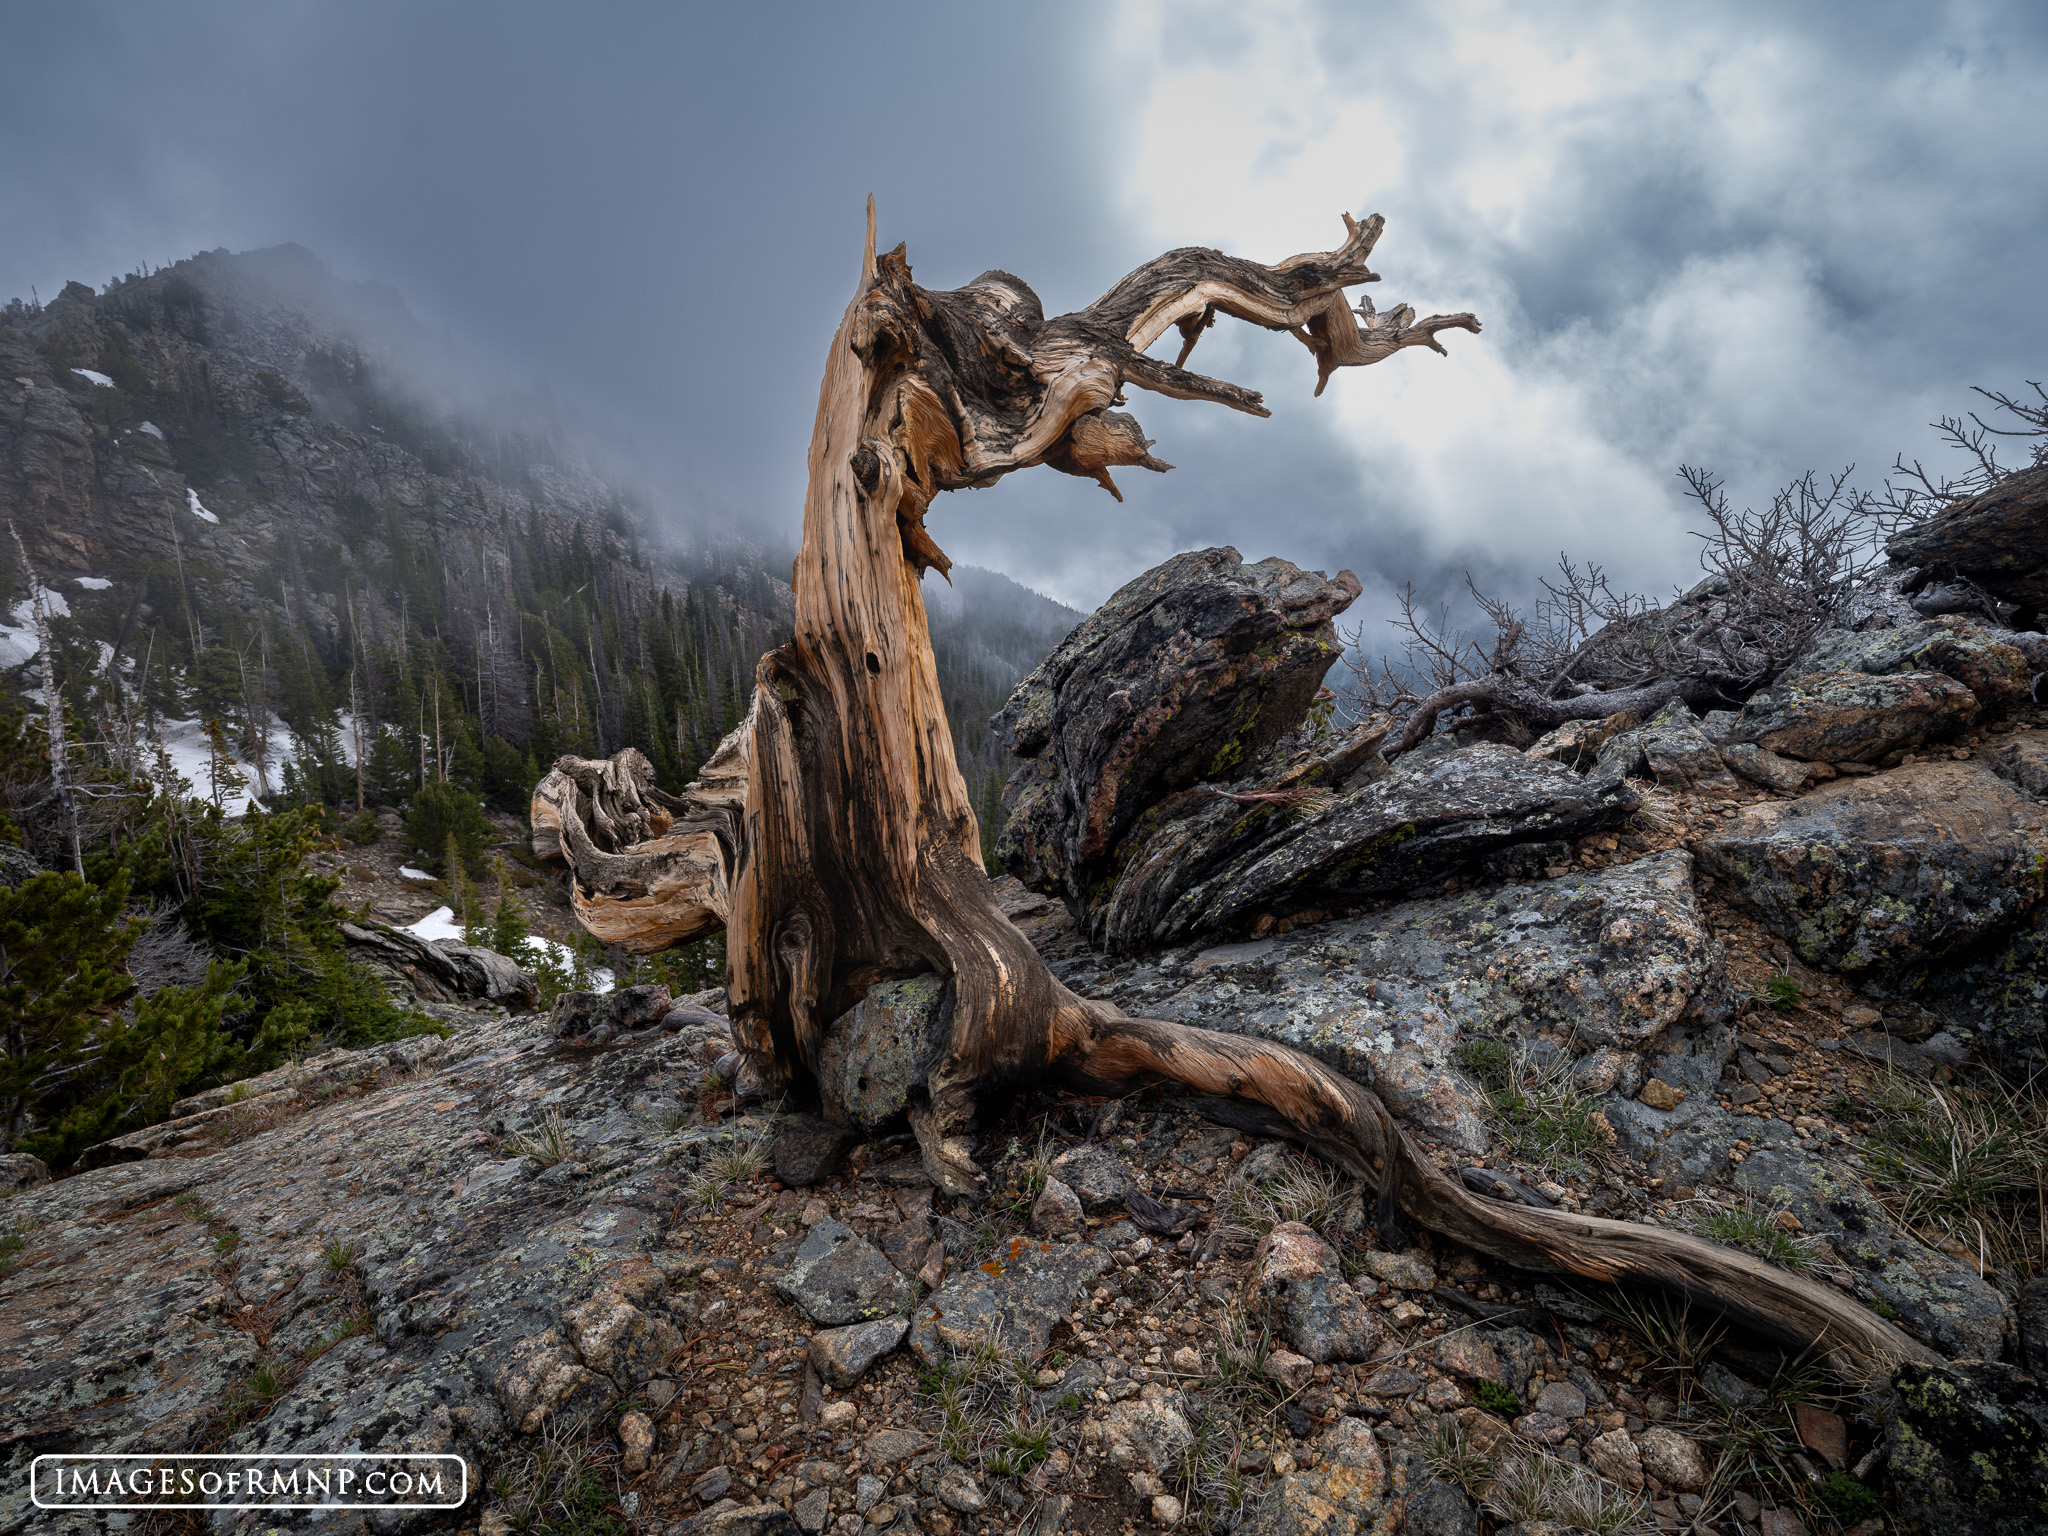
{"points": [[832, 836]]}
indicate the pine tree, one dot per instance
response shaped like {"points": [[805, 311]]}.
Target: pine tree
{"points": [[62, 944]]}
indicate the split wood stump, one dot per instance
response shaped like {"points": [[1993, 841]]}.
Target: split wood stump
{"points": [[831, 835]]}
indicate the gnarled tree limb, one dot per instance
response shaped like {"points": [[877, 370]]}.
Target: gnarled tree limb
{"points": [[833, 837]]}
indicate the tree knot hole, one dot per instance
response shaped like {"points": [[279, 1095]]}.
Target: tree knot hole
{"points": [[874, 665], [867, 468]]}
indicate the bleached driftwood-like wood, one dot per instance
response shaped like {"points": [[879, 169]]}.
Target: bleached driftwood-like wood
{"points": [[832, 835], [648, 870]]}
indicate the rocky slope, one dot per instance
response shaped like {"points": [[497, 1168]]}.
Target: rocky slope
{"points": [[458, 1245], [1757, 973]]}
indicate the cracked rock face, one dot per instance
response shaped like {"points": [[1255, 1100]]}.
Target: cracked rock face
{"points": [[497, 1299], [1904, 867], [1183, 676], [1177, 688], [1203, 864]]}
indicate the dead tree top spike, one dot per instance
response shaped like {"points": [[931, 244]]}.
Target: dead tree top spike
{"points": [[832, 835]]}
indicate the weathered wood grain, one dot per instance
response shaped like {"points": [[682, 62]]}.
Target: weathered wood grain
{"points": [[833, 838]]}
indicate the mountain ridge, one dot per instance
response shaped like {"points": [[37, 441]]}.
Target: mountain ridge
{"points": [[262, 460]]}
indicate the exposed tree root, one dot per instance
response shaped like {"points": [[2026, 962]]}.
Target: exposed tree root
{"points": [[1348, 1125]]}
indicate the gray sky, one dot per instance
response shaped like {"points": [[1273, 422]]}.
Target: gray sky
{"points": [[1762, 237]]}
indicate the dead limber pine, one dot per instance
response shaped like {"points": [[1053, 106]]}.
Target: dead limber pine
{"points": [[831, 835]]}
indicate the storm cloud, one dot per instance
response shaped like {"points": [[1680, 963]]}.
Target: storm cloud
{"points": [[1762, 238]]}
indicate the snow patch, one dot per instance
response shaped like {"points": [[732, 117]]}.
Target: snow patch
{"points": [[437, 924], [413, 874], [93, 583], [192, 501], [53, 603], [152, 429], [98, 378], [17, 645], [18, 638], [186, 745], [440, 924]]}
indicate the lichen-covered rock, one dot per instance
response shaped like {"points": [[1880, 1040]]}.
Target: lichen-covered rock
{"points": [[808, 1149], [1669, 747], [1435, 1507], [1940, 1301], [1098, 1178], [442, 970], [738, 1520], [17, 866], [1616, 1457], [2033, 1322], [1017, 1297], [122, 1302], [1403, 1271], [1472, 1357], [1673, 1459], [1294, 1372], [1852, 717], [615, 1338], [1199, 863], [873, 1055], [1998, 539], [1979, 658], [1577, 743], [1183, 676], [1142, 1435], [1429, 1095], [1784, 774], [1967, 1446], [839, 1277], [1889, 870], [542, 1379], [2023, 763], [636, 1443], [575, 1013], [1297, 1280], [1056, 1211], [20, 1170], [1621, 954], [1345, 1494]]}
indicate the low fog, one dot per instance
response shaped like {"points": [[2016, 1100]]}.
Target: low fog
{"points": [[1762, 241]]}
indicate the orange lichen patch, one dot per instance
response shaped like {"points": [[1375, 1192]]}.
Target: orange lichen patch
{"points": [[991, 1267]]}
